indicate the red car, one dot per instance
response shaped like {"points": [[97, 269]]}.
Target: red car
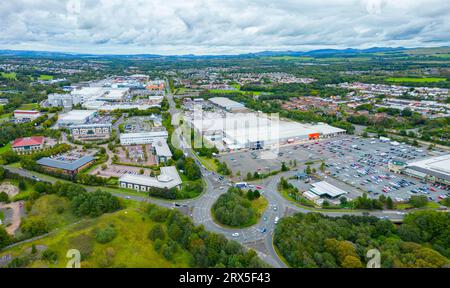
{"points": [[432, 189], [259, 187]]}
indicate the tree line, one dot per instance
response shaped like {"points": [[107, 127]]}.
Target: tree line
{"points": [[314, 240]]}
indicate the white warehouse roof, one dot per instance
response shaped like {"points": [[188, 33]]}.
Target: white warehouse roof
{"points": [[226, 103], [241, 128], [324, 188], [162, 148], [169, 179], [153, 134], [435, 166], [76, 115]]}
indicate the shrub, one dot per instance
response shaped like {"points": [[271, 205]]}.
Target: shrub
{"points": [[34, 227], [50, 256], [106, 235], [4, 197], [157, 232]]}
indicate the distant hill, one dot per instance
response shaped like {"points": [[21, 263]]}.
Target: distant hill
{"points": [[318, 53]]}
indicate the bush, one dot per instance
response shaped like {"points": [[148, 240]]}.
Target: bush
{"points": [[5, 239], [106, 235], [34, 227], [157, 232], [418, 201], [95, 204], [157, 214], [22, 185], [4, 198], [50, 256], [19, 262]]}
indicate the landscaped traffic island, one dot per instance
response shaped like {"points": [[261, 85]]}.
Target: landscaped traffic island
{"points": [[239, 209]]}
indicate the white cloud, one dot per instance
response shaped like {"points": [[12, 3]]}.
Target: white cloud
{"points": [[220, 26]]}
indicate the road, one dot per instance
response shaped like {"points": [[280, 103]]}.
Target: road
{"points": [[258, 237], [262, 232]]}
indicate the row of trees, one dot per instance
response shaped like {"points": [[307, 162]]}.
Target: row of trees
{"points": [[315, 240]]}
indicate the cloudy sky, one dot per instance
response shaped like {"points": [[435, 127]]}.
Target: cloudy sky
{"points": [[220, 26]]}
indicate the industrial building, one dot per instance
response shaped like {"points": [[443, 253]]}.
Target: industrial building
{"points": [[227, 104], [76, 117], [61, 100], [435, 169], [162, 150], [66, 166], [234, 131], [90, 132], [26, 115], [168, 179], [142, 138], [108, 94], [325, 189], [321, 191]]}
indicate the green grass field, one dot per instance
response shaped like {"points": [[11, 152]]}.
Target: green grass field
{"points": [[5, 117], [416, 80], [405, 206], [11, 75], [130, 248], [45, 77], [54, 210], [209, 163], [219, 91], [2, 215], [290, 58], [28, 106], [343, 59], [5, 148], [446, 56]]}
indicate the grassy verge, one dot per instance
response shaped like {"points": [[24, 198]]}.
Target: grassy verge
{"points": [[5, 148], [11, 75], [406, 206], [45, 77], [281, 257], [260, 205], [28, 106], [130, 248], [416, 80], [54, 210], [209, 163]]}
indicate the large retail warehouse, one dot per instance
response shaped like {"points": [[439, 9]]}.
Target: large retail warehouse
{"points": [[233, 131], [435, 169]]}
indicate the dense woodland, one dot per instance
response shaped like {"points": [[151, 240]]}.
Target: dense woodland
{"points": [[313, 240]]}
